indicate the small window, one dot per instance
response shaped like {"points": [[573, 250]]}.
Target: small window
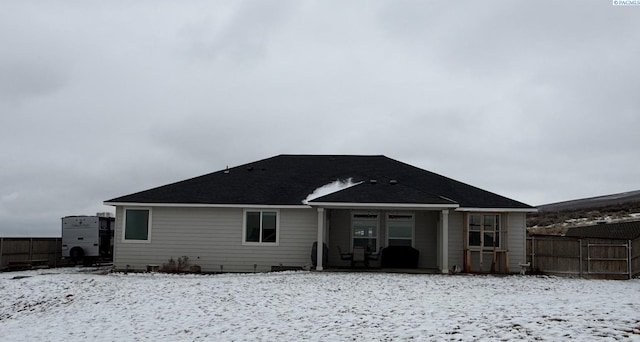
{"points": [[137, 225], [260, 227], [399, 230], [364, 231], [484, 230]]}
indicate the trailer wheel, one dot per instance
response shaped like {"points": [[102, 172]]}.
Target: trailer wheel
{"points": [[76, 254]]}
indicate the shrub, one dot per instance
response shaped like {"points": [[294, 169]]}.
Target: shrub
{"points": [[176, 266]]}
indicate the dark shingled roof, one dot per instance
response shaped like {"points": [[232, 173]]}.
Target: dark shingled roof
{"points": [[289, 179], [615, 231], [387, 192]]}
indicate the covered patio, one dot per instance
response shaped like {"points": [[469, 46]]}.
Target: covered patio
{"points": [[389, 237]]}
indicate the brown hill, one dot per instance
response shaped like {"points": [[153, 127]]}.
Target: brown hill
{"points": [[555, 218]]}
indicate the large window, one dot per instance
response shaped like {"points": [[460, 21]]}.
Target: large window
{"points": [[400, 230], [365, 231], [137, 225], [260, 226], [484, 230]]}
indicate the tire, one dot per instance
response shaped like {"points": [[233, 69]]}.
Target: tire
{"points": [[76, 255]]}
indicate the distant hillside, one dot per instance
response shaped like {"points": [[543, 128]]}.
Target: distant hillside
{"points": [[554, 218], [594, 202]]}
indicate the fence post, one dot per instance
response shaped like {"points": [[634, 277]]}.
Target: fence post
{"points": [[629, 258], [55, 252], [30, 249], [533, 253], [580, 255]]}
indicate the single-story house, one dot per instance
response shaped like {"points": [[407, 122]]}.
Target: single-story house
{"points": [[272, 212]]}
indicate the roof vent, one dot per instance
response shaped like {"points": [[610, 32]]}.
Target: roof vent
{"points": [[373, 181], [393, 182], [250, 168], [226, 170]]}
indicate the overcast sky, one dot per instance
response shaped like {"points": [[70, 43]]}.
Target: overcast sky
{"points": [[538, 101]]}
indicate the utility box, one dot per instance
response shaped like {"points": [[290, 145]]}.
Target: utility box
{"points": [[88, 239]]}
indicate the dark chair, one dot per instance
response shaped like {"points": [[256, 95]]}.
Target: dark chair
{"points": [[359, 255], [375, 256], [345, 256]]}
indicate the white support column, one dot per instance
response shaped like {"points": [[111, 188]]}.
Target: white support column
{"points": [[444, 242], [320, 244]]}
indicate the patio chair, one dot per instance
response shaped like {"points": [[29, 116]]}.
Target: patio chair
{"points": [[359, 256], [375, 256], [345, 256]]}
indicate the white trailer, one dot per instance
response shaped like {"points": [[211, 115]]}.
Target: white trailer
{"points": [[88, 239]]}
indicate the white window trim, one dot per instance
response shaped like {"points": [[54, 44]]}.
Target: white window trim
{"points": [[500, 231], [244, 227], [413, 229], [377, 220], [124, 225]]}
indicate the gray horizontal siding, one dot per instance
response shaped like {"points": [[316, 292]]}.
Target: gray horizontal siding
{"points": [[516, 240], [212, 237], [456, 239]]}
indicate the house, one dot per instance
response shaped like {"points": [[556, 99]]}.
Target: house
{"points": [[269, 213]]}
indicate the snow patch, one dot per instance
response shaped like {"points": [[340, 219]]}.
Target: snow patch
{"points": [[335, 186], [315, 306]]}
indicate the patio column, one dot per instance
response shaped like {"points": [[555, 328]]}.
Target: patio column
{"points": [[320, 244], [444, 242]]}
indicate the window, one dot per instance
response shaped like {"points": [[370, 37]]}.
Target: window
{"points": [[484, 230], [365, 231], [400, 230], [137, 225], [260, 227]]}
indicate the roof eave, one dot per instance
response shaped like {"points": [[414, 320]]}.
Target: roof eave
{"points": [[208, 205], [501, 210], [417, 206]]}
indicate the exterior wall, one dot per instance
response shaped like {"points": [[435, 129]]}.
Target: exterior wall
{"points": [[456, 239], [212, 237], [513, 227], [516, 241]]}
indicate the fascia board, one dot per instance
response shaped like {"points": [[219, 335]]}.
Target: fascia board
{"points": [[206, 205], [420, 206], [501, 210]]}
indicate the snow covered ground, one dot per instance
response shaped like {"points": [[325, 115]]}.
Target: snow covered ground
{"points": [[77, 305]]}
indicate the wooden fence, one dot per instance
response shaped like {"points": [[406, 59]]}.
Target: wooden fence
{"points": [[586, 258], [44, 250]]}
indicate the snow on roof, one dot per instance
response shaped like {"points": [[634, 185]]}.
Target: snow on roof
{"points": [[330, 188]]}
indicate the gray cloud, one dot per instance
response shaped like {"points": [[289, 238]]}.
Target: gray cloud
{"points": [[535, 101]]}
